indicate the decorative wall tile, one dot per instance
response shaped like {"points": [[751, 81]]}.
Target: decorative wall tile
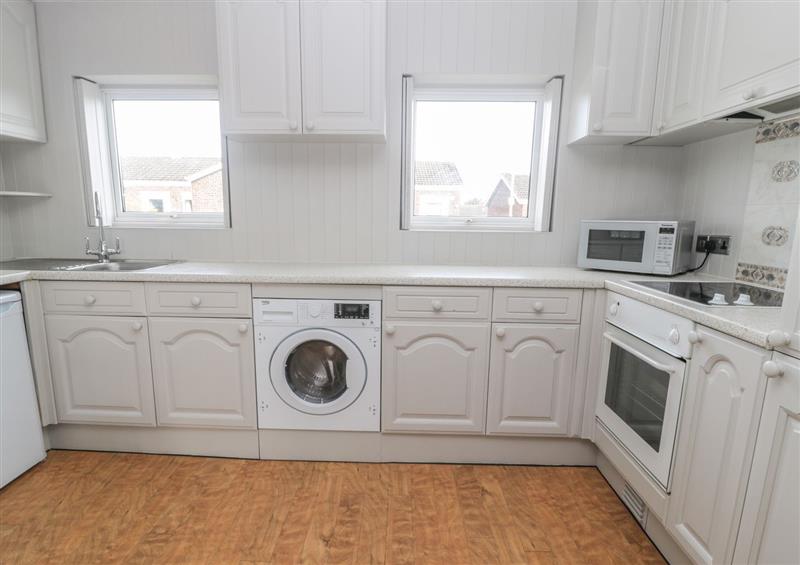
{"points": [[775, 235], [785, 171], [771, 131], [765, 275]]}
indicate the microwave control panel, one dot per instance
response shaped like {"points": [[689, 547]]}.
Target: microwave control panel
{"points": [[665, 244]]}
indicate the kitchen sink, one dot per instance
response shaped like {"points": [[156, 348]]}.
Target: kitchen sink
{"points": [[79, 265]]}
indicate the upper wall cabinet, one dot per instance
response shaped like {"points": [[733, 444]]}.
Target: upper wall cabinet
{"points": [[745, 67], [21, 108], [616, 66], [337, 48]]}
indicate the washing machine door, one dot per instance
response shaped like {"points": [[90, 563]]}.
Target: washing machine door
{"points": [[318, 371]]}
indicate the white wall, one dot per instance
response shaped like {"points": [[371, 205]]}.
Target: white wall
{"points": [[331, 202]]}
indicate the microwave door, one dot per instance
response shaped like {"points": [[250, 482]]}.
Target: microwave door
{"points": [[611, 246]]}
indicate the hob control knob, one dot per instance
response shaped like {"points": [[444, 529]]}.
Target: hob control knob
{"points": [[613, 309], [674, 336]]}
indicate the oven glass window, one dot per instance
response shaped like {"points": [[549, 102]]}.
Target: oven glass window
{"points": [[637, 393], [616, 245], [316, 371]]}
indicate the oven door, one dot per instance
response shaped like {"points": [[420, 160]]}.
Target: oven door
{"points": [[639, 399], [618, 246]]}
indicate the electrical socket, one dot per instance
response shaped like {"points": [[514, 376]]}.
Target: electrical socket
{"points": [[719, 244]]}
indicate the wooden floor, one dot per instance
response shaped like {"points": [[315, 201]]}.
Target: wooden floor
{"points": [[84, 507]]}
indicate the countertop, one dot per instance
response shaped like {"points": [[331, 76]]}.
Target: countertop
{"points": [[751, 324]]}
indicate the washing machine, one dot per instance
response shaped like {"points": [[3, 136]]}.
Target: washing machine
{"points": [[318, 364]]}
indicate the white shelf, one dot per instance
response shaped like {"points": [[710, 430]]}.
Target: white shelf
{"points": [[21, 193]]}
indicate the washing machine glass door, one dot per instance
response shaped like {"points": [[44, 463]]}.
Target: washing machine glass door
{"points": [[318, 371]]}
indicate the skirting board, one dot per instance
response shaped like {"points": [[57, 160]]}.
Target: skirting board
{"points": [[242, 444], [419, 448], [654, 529]]}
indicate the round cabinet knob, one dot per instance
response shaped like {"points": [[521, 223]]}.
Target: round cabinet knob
{"points": [[772, 369], [196, 301], [538, 307], [89, 300], [309, 126], [137, 326], [749, 95], [436, 305], [242, 328], [597, 126], [777, 338], [693, 337], [293, 125], [674, 336], [390, 330], [613, 309], [500, 332]]}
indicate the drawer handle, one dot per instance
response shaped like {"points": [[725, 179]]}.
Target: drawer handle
{"points": [[242, 328], [436, 305], [196, 301], [390, 330], [89, 300], [772, 369], [500, 332], [309, 126], [137, 326], [538, 307]]}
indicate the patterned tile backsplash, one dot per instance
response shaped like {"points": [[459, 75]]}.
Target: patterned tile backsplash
{"points": [[773, 203]]}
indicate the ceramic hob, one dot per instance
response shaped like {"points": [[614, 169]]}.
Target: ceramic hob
{"points": [[718, 293]]}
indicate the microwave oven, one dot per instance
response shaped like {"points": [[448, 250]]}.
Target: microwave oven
{"points": [[652, 247]]}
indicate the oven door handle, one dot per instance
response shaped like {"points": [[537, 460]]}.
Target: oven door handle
{"points": [[638, 354]]}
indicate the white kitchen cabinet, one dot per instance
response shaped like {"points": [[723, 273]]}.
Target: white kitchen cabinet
{"points": [[616, 65], [434, 376], [771, 517], [344, 61], [100, 367], [787, 336], [531, 373], [719, 418], [21, 106], [259, 66], [311, 67], [745, 66], [679, 92], [203, 372]]}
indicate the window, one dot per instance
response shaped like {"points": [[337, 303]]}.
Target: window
{"points": [[479, 157], [153, 155]]}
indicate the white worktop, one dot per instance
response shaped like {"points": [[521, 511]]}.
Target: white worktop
{"points": [[751, 324]]}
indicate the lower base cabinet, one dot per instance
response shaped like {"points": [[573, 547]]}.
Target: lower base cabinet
{"points": [[203, 372], [100, 367], [771, 517], [530, 378], [434, 376], [722, 403]]}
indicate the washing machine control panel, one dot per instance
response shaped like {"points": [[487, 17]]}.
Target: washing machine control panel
{"points": [[350, 311], [313, 313]]}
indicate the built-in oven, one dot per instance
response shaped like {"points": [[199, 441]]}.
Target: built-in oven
{"points": [[641, 382]]}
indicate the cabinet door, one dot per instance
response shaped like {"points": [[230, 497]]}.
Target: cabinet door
{"points": [[259, 65], [21, 109], [625, 66], [719, 417], [344, 66], [745, 66], [101, 369], [531, 372], [679, 95], [204, 372], [434, 376], [771, 516]]}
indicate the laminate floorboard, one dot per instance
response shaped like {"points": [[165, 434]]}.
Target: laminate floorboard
{"points": [[96, 508]]}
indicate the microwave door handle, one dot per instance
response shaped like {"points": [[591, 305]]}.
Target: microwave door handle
{"points": [[639, 354]]}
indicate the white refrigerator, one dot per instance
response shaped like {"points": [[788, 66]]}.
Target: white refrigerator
{"points": [[21, 440]]}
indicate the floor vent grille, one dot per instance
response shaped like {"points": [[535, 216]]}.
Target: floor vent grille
{"points": [[634, 503]]}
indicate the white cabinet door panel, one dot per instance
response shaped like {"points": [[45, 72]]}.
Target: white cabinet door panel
{"points": [[204, 372], [745, 66], [101, 369], [344, 67], [771, 517], [530, 378], [259, 65], [434, 376], [719, 417]]}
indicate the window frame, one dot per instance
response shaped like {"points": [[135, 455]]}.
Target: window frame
{"points": [[542, 171]]}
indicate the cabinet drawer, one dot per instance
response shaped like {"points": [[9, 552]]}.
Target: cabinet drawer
{"points": [[93, 297], [437, 302], [199, 299], [537, 304]]}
